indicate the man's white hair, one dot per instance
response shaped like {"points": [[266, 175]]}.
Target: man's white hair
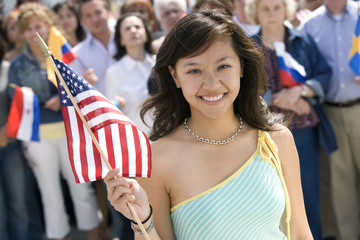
{"points": [[182, 5]]}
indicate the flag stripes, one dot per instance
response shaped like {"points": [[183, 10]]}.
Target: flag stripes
{"points": [[123, 144]]}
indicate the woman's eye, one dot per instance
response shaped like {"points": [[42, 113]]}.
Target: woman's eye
{"points": [[223, 66], [193, 71]]}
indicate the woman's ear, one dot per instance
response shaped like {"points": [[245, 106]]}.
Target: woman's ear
{"points": [[174, 76]]}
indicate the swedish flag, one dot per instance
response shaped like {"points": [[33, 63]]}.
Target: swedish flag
{"points": [[354, 56]]}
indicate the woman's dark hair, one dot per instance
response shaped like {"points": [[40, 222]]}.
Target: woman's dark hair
{"points": [[193, 35], [224, 6], [79, 32], [2, 43], [120, 49]]}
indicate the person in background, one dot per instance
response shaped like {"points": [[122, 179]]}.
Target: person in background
{"points": [[12, 36], [94, 54], [168, 13], [129, 75], [214, 143], [299, 100], [333, 26], [145, 9], [244, 21], [13, 211], [224, 6], [69, 22], [49, 157]]}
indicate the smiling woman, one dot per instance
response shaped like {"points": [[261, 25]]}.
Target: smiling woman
{"points": [[235, 185]]}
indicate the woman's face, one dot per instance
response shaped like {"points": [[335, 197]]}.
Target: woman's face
{"points": [[36, 25], [67, 20], [271, 13], [210, 82], [133, 33], [12, 30]]}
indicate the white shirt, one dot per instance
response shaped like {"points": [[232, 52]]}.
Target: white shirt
{"points": [[128, 78], [249, 29], [91, 53]]}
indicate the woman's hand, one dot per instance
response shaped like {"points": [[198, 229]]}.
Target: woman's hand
{"points": [[123, 190], [53, 104], [287, 97], [301, 107]]}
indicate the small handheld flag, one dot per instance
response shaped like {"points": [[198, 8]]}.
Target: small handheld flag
{"points": [[291, 72], [354, 55], [125, 146], [61, 49], [24, 115]]}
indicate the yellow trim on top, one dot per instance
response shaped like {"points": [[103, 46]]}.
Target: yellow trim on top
{"points": [[52, 130], [252, 157]]}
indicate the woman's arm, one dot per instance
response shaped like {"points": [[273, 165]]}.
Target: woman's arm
{"points": [[299, 227], [140, 193]]}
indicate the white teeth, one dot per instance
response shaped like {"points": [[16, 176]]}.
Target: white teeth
{"points": [[213, 99]]}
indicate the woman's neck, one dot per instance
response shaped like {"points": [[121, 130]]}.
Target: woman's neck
{"points": [[136, 53], [271, 35], [72, 39], [39, 55], [214, 129]]}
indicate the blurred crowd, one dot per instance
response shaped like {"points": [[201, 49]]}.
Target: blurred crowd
{"points": [[116, 43]]}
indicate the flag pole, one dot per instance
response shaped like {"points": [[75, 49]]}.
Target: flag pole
{"points": [[47, 54]]}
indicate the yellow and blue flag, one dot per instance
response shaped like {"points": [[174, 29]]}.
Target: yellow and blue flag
{"points": [[354, 56], [61, 49]]}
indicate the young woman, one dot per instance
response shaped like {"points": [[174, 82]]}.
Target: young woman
{"points": [[128, 77], [49, 157], [302, 100], [221, 163], [69, 22], [12, 35]]}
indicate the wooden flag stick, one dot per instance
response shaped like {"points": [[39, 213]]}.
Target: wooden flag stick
{"points": [[47, 54]]}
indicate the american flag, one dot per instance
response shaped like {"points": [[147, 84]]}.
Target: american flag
{"points": [[125, 146]]}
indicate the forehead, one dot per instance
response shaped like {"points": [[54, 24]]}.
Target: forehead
{"points": [[91, 6], [220, 50], [169, 7], [130, 21]]}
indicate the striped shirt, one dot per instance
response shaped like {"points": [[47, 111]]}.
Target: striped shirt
{"points": [[247, 205]]}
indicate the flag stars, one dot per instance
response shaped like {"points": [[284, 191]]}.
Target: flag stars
{"points": [[63, 92], [64, 101]]}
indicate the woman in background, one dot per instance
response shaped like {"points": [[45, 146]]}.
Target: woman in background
{"points": [[298, 99], [69, 22], [12, 35], [128, 77]]}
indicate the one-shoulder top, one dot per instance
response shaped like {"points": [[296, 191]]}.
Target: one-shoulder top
{"points": [[247, 205]]}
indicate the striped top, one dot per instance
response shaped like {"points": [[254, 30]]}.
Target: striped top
{"points": [[247, 205]]}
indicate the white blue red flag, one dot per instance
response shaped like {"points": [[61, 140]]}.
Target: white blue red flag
{"points": [[125, 146], [24, 115], [291, 72]]}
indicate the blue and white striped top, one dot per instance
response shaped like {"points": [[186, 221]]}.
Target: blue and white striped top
{"points": [[247, 205]]}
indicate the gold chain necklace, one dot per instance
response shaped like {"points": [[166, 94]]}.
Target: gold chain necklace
{"points": [[205, 140]]}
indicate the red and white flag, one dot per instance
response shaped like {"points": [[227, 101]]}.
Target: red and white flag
{"points": [[125, 146]]}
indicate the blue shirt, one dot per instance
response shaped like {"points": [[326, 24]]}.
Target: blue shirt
{"points": [[333, 36], [25, 71]]}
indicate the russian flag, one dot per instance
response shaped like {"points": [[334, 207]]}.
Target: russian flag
{"points": [[291, 72], [24, 115], [354, 55]]}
